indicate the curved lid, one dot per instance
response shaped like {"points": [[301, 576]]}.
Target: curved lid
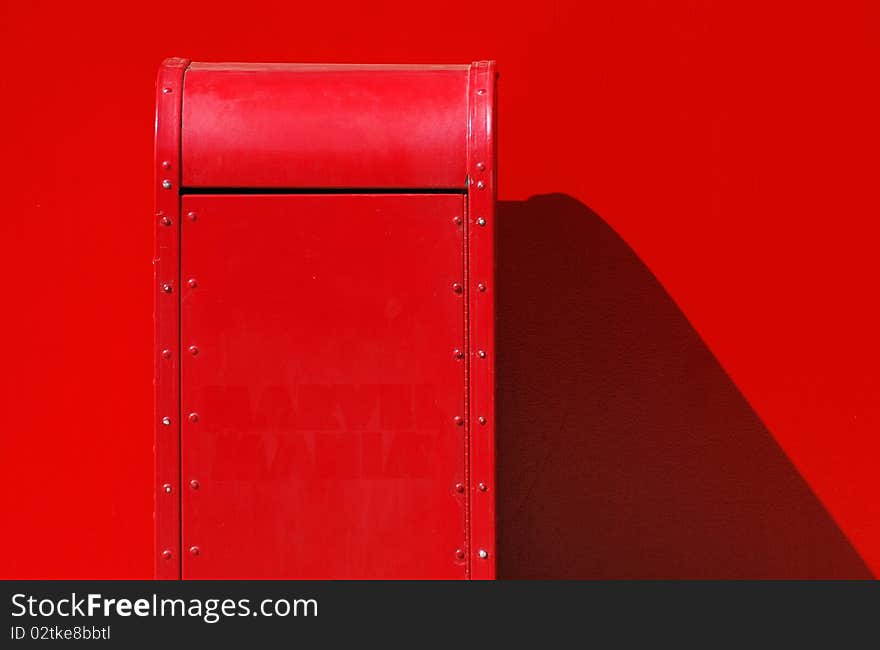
{"points": [[324, 126]]}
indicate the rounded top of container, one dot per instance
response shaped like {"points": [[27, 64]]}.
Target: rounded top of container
{"points": [[326, 126]]}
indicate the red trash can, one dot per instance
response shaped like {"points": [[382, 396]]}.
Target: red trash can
{"points": [[324, 337]]}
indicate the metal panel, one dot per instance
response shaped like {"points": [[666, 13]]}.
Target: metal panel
{"points": [[323, 391], [320, 126], [169, 86], [481, 318]]}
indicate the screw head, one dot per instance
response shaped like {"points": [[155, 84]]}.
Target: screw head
{"points": [[192, 216], [193, 417], [456, 287], [166, 164], [166, 90], [194, 550], [481, 354], [481, 166], [458, 354], [481, 185], [166, 554], [456, 221], [193, 350], [483, 554], [167, 288], [166, 184], [481, 286], [166, 421], [458, 420], [166, 354], [481, 420], [483, 487], [459, 487], [194, 484], [481, 91], [167, 488], [459, 554], [164, 219], [481, 221], [193, 283]]}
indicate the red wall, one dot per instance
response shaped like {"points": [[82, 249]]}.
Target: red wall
{"points": [[688, 348]]}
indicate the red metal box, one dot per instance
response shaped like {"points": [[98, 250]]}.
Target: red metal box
{"points": [[324, 333]]}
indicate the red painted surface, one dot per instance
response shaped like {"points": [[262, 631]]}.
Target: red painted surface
{"points": [[480, 283], [325, 387], [334, 345], [726, 424], [355, 126], [166, 319]]}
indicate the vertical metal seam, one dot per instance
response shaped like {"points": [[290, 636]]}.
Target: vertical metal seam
{"points": [[481, 193], [466, 205], [180, 330], [467, 379], [169, 93]]}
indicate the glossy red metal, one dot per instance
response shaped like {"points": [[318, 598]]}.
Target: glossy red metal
{"points": [[282, 126], [325, 444], [166, 270], [481, 316], [324, 322]]}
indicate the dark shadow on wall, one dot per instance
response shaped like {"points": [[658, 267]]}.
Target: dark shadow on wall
{"points": [[624, 449]]}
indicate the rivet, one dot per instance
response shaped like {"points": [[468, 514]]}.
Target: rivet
{"points": [[166, 421], [167, 90], [483, 487], [458, 420], [166, 354], [166, 184], [459, 554], [481, 221], [166, 220], [167, 288], [167, 488], [193, 350], [483, 554], [481, 420], [481, 91], [481, 354], [481, 166], [194, 550], [166, 554], [480, 185], [456, 221], [166, 164], [459, 487], [456, 287], [193, 283], [193, 417], [192, 216], [458, 354], [194, 484], [481, 286]]}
